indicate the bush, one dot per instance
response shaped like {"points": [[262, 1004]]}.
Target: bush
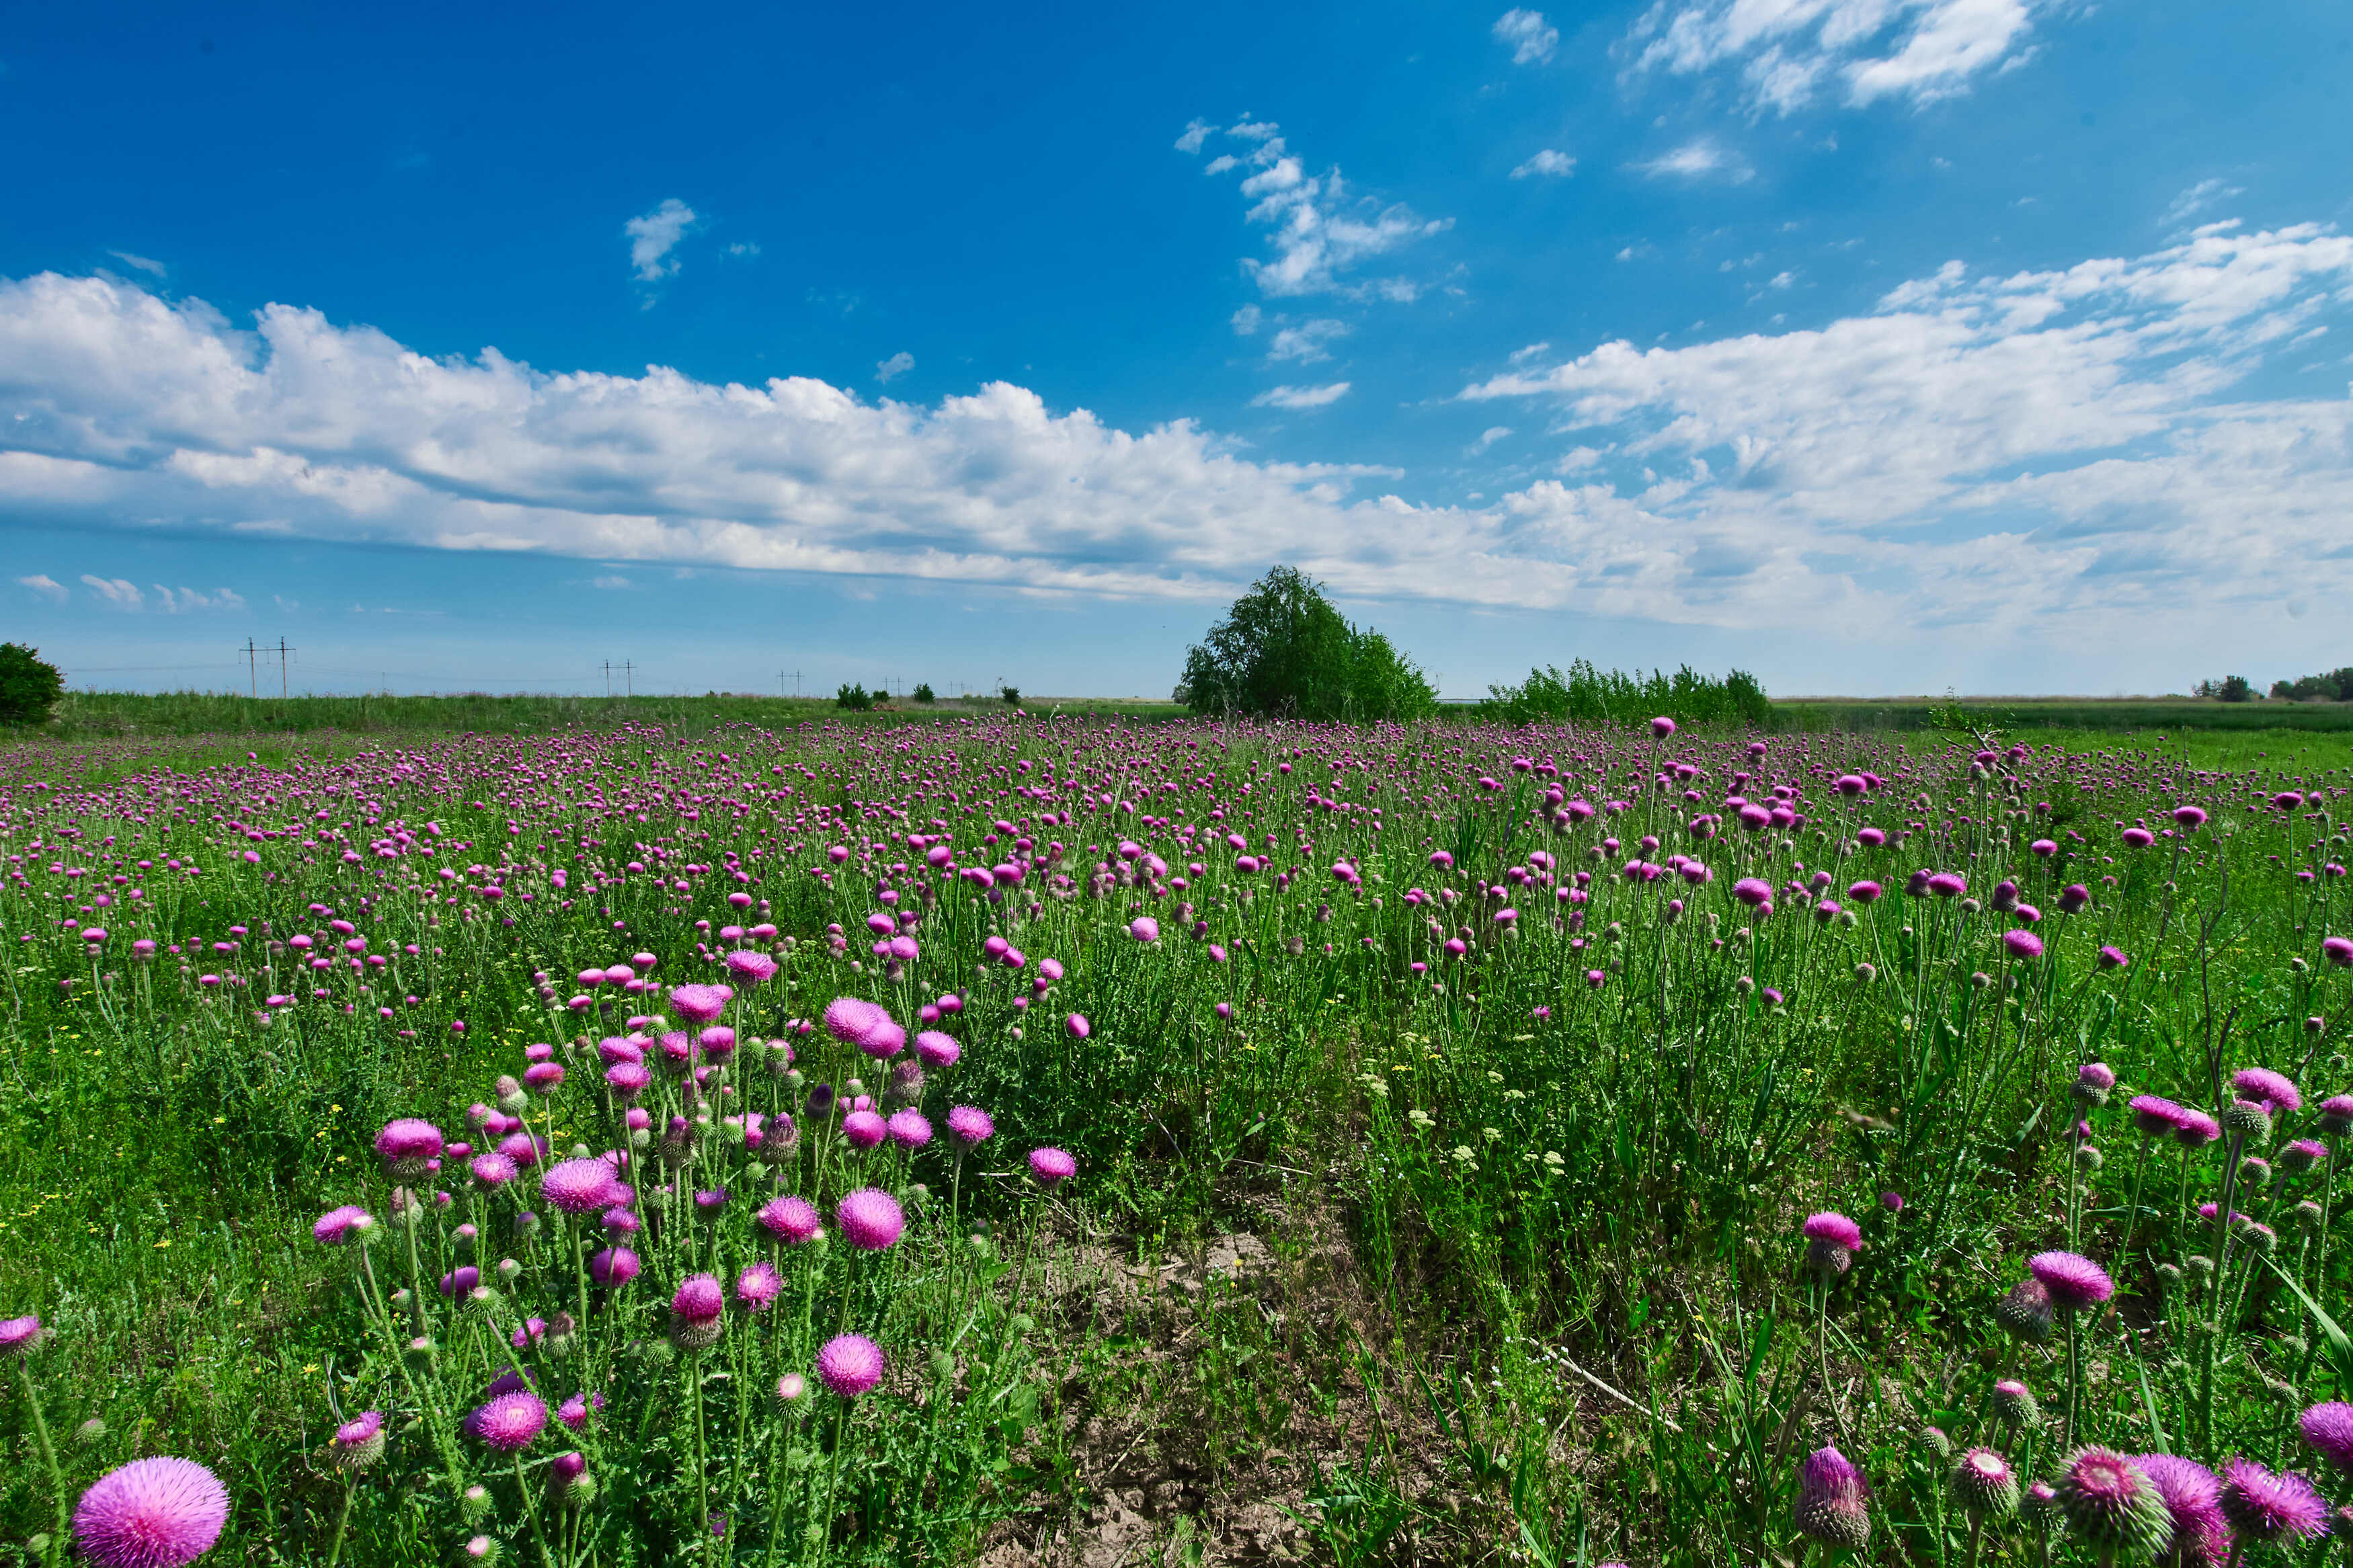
{"points": [[1012, 695], [1587, 695], [2335, 686], [854, 698], [30, 685], [1283, 649], [923, 692]]}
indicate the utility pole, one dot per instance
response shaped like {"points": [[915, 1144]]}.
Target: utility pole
{"points": [[252, 671], [628, 678], [283, 651], [608, 678]]}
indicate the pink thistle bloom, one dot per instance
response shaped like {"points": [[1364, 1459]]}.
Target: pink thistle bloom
{"points": [[758, 1286], [2073, 1280], [579, 1186], [629, 1080], [1077, 1026], [698, 1004], [1752, 890], [1661, 727], [2271, 1507], [969, 1124], [20, 1336], [2154, 1115], [2273, 1089], [1833, 1227], [850, 1366], [1051, 1167], [338, 1226], [575, 1412], [2022, 945], [2190, 816], [2328, 1429], [885, 1040], [2196, 1129], [1143, 929], [937, 1050], [359, 1442], [509, 1422], [2193, 1499], [790, 1220], [407, 1145], [870, 1218], [2339, 951], [699, 1300], [152, 1513], [614, 1266], [909, 1128], [1832, 1501], [863, 1129], [749, 966]]}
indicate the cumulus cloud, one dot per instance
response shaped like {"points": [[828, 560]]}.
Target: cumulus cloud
{"points": [[1317, 229], [1704, 159], [1301, 397], [115, 591], [2034, 442], [1547, 161], [653, 236], [2063, 458], [1304, 343], [1196, 133], [1246, 320], [1788, 53], [46, 585], [897, 365], [1530, 40]]}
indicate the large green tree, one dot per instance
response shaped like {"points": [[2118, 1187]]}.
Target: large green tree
{"points": [[1283, 650], [30, 685]]}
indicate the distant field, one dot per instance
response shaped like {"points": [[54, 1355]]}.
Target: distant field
{"points": [[2109, 716]]}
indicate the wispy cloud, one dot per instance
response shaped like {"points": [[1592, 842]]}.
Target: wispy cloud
{"points": [[2198, 198], [1318, 230], [653, 236], [1530, 39], [47, 586], [144, 263], [1246, 320], [115, 591], [1301, 397], [1702, 160], [185, 600], [1548, 161], [1788, 52], [614, 581], [897, 365], [1196, 133], [1304, 343]]}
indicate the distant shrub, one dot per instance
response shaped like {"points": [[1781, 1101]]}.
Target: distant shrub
{"points": [[1585, 694], [923, 692], [30, 685], [855, 698], [1284, 650], [1012, 695], [2335, 686]]}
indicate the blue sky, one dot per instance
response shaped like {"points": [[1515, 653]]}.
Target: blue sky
{"points": [[1873, 345]]}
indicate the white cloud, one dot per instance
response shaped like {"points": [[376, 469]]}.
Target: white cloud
{"points": [[1547, 161], [1700, 160], [653, 236], [613, 581], [1301, 397], [1489, 436], [188, 599], [115, 591], [744, 249], [1195, 133], [1531, 40], [146, 264], [1304, 343], [285, 603], [897, 365], [1787, 52], [1317, 228], [46, 585], [2062, 461], [2198, 198], [1246, 320]]}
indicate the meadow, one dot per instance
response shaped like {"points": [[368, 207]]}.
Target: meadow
{"points": [[1033, 1138]]}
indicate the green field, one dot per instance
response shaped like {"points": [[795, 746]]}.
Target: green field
{"points": [[1438, 1179]]}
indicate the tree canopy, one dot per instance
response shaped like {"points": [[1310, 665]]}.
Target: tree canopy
{"points": [[1282, 651], [30, 685]]}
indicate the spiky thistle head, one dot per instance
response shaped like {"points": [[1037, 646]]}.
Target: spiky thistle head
{"points": [[2111, 1502]]}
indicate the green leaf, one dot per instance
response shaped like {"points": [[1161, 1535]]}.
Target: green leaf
{"points": [[2340, 1349]]}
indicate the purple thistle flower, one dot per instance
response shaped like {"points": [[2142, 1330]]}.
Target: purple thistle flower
{"points": [[758, 1286], [870, 1218], [579, 1186], [698, 1004], [864, 1129], [909, 1128], [2271, 1507], [790, 1220], [407, 1145], [2113, 1504], [337, 1225], [613, 1265], [969, 1124], [2328, 1429], [2022, 945], [2153, 1115], [1051, 1167], [2337, 949], [1832, 1501], [850, 1366], [749, 966], [152, 1513], [2276, 1090], [508, 1423], [2073, 1280], [695, 1312], [2193, 1501], [937, 1050], [20, 1337], [850, 1019]]}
